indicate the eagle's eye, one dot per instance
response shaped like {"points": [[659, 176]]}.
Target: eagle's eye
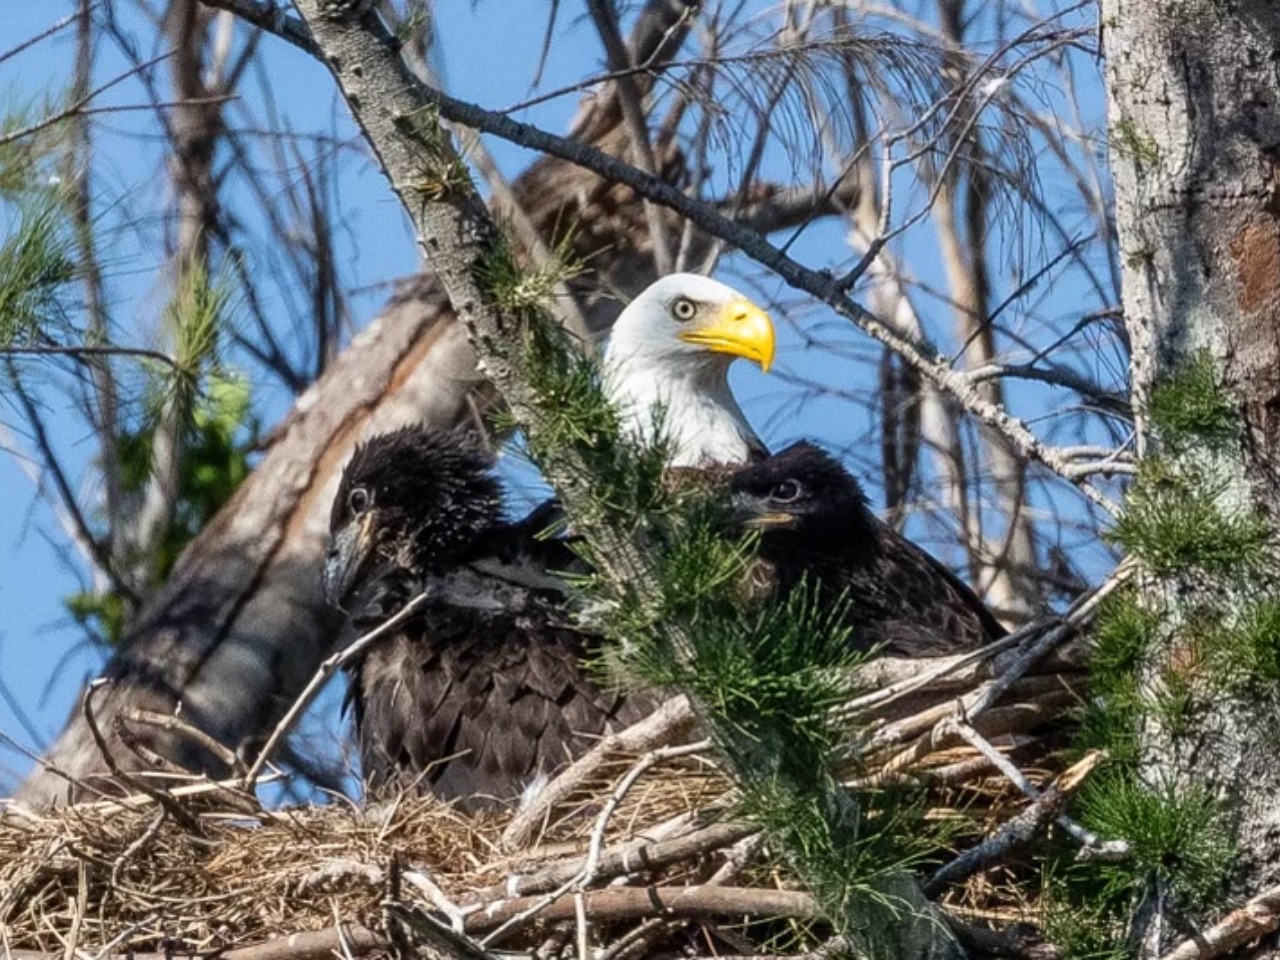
{"points": [[684, 309], [788, 491], [358, 501]]}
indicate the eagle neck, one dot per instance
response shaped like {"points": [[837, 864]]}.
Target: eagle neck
{"points": [[703, 422]]}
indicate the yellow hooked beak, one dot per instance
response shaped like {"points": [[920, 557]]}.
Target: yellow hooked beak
{"points": [[739, 328]]}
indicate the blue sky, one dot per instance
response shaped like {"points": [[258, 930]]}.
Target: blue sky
{"points": [[43, 658]]}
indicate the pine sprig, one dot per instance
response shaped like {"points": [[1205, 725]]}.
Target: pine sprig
{"points": [[37, 262], [763, 675]]}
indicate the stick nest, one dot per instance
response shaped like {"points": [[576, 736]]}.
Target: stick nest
{"points": [[633, 850]]}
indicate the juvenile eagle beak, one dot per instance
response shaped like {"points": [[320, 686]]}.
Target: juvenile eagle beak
{"points": [[747, 513], [739, 328], [349, 551]]}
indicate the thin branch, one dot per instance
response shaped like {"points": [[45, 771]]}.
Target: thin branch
{"points": [[631, 903], [80, 105], [633, 115], [42, 35], [326, 670], [1095, 848], [138, 353], [166, 801], [84, 535], [638, 769], [1258, 917], [1014, 834], [670, 720], [174, 724], [620, 860]]}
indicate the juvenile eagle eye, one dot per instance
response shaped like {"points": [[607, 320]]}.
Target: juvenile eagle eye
{"points": [[358, 501], [787, 491], [683, 309]]}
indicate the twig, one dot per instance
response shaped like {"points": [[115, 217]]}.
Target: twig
{"points": [[78, 910], [670, 720], [1017, 832], [1095, 848], [1080, 613], [76, 107], [307, 945], [153, 829], [440, 936], [420, 878], [326, 669], [638, 769], [632, 903], [42, 35], [632, 856], [138, 353], [921, 673], [172, 723], [159, 796], [1258, 917], [618, 58]]}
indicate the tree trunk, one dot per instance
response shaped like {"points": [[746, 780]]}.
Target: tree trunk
{"points": [[1194, 104]]}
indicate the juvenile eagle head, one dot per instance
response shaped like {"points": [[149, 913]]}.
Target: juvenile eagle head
{"points": [[802, 498], [416, 499], [815, 527], [670, 349]]}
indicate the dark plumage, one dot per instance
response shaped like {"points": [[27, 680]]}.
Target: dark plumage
{"points": [[484, 689], [815, 525]]}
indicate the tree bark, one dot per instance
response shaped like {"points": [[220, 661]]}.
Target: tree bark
{"points": [[1194, 111]]}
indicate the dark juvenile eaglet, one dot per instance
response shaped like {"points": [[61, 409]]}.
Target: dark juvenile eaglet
{"points": [[484, 689], [815, 525]]}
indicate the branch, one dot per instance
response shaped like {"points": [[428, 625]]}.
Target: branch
{"points": [[165, 800], [1095, 848], [1257, 918], [139, 353], [672, 719], [356, 940], [631, 903], [624, 859], [326, 670], [619, 60], [1016, 833]]}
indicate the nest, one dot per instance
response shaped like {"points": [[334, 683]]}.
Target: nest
{"points": [[632, 851]]}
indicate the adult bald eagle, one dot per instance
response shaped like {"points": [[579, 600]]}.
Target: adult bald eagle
{"points": [[484, 690], [671, 349], [815, 526]]}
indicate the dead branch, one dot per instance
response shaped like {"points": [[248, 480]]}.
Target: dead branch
{"points": [[637, 855], [673, 719], [630, 903], [327, 669], [1257, 918], [1014, 834], [165, 801]]}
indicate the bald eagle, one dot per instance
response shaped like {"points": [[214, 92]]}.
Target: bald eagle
{"points": [[815, 526], [484, 690], [670, 350]]}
